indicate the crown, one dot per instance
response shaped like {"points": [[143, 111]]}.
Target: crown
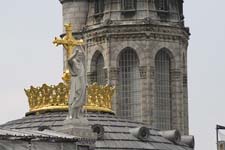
{"points": [[55, 97]]}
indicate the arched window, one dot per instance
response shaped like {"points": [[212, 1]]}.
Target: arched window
{"points": [[129, 90], [100, 74], [97, 69], [163, 111]]}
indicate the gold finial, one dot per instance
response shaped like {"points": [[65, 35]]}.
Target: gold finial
{"points": [[68, 41], [55, 97]]}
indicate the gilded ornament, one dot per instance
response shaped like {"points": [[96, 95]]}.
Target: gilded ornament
{"points": [[55, 97], [69, 43]]}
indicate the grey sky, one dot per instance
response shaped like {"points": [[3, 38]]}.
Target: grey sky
{"points": [[28, 57]]}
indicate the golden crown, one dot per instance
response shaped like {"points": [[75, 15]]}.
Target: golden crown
{"points": [[55, 97]]}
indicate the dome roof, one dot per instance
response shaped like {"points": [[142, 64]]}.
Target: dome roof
{"points": [[117, 133]]}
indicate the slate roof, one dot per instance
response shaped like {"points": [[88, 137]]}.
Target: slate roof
{"points": [[12, 139], [34, 134], [116, 131]]}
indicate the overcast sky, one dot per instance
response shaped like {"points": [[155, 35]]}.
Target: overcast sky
{"points": [[28, 57]]}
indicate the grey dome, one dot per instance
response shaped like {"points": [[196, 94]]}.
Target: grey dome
{"points": [[116, 131]]}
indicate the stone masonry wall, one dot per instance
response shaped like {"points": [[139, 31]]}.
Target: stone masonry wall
{"points": [[144, 31]]}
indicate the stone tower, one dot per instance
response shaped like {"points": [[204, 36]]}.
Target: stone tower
{"points": [[140, 46]]}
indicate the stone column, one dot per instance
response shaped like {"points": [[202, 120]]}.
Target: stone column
{"points": [[151, 94], [113, 80], [144, 95], [185, 107], [177, 99]]}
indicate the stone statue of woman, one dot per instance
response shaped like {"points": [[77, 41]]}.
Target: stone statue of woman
{"points": [[77, 96]]}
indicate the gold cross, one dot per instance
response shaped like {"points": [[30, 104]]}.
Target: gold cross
{"points": [[68, 41]]}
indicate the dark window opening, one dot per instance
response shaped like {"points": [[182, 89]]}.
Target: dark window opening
{"points": [[100, 73], [162, 5], [163, 101], [99, 6], [162, 8], [128, 4], [129, 87]]}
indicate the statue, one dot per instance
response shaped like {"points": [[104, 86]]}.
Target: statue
{"points": [[77, 96], [74, 75]]}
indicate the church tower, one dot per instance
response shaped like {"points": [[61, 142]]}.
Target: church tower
{"points": [[139, 46]]}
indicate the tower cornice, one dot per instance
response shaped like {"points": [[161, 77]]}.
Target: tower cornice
{"points": [[63, 1]]}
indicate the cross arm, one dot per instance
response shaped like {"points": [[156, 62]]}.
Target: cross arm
{"points": [[78, 42], [59, 41]]}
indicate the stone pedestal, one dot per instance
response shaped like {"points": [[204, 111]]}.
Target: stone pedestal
{"points": [[78, 127]]}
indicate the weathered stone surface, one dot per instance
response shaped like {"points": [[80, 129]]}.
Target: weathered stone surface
{"points": [[146, 30]]}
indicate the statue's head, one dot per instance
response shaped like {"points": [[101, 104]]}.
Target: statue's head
{"points": [[80, 55]]}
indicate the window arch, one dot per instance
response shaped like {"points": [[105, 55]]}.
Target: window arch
{"points": [[97, 68], [129, 91], [163, 103]]}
